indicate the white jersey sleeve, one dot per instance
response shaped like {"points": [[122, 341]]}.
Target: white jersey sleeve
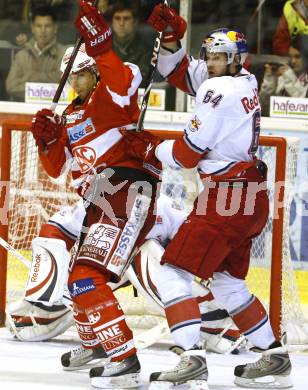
{"points": [[182, 71], [224, 128]]}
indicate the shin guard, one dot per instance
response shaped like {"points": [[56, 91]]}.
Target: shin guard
{"points": [[184, 320], [87, 336], [108, 323], [252, 320]]}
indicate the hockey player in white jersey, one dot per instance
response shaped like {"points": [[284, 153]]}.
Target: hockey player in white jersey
{"points": [[221, 139]]}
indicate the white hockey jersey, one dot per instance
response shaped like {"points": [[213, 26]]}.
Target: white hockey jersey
{"points": [[224, 129]]}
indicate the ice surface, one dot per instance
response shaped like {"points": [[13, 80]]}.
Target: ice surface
{"points": [[36, 366]]}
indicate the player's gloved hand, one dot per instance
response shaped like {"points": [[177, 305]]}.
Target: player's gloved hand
{"points": [[47, 128], [163, 17], [141, 145], [94, 29]]}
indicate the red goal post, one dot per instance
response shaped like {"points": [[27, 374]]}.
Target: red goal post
{"points": [[18, 158]]}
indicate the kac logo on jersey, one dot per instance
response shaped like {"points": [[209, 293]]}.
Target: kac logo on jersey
{"points": [[76, 133], [85, 157], [81, 286], [194, 124]]}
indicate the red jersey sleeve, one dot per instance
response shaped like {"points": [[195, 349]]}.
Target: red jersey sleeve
{"points": [[178, 78], [115, 74]]}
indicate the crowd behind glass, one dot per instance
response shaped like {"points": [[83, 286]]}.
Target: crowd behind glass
{"points": [[35, 33]]}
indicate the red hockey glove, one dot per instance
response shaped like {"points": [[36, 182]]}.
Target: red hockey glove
{"points": [[47, 128], [94, 29], [162, 17], [141, 145]]}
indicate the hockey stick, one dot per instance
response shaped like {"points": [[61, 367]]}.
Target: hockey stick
{"points": [[152, 335], [66, 73], [12, 250], [150, 78]]}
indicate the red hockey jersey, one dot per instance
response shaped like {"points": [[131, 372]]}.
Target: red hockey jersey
{"points": [[92, 137]]}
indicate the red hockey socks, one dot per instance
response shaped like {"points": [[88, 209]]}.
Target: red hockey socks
{"points": [[101, 312], [184, 320]]}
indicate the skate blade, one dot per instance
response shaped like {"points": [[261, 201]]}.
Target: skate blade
{"points": [[128, 381], [198, 384], [266, 382], [87, 366]]}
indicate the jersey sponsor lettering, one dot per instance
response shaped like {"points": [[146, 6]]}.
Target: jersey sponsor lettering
{"points": [[129, 231], [74, 116], [85, 157], [99, 243], [80, 131], [110, 332], [84, 329], [251, 103], [81, 286]]}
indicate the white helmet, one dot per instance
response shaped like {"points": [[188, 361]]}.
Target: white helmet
{"points": [[82, 61], [223, 40]]}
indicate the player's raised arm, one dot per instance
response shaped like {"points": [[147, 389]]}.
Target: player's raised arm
{"points": [[97, 36], [174, 65]]}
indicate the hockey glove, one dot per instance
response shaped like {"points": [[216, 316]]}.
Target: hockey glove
{"points": [[47, 128], [141, 146], [164, 17], [94, 29]]}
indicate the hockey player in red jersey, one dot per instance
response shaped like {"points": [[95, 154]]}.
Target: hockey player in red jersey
{"points": [[119, 191], [221, 139], [45, 312]]}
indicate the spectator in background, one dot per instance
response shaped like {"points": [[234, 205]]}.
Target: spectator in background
{"points": [[293, 22], [288, 79], [128, 43], [40, 59]]}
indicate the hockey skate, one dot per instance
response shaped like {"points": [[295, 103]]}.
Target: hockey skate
{"points": [[272, 371], [191, 370], [123, 374], [81, 358]]}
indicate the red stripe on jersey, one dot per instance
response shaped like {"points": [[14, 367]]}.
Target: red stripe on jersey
{"points": [[184, 155], [183, 311], [179, 78]]}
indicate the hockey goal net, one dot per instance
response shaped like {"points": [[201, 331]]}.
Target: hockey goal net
{"points": [[29, 197]]}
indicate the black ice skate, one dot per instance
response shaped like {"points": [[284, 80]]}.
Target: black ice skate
{"points": [[191, 370], [81, 359], [123, 374], [272, 371]]}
